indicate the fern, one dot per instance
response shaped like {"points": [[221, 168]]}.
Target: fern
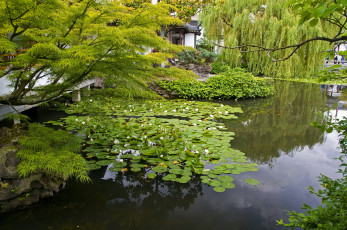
{"points": [[54, 153]]}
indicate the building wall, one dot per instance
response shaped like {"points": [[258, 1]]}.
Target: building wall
{"points": [[190, 40]]}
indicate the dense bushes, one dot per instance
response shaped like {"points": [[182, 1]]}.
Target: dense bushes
{"points": [[234, 83], [218, 67]]}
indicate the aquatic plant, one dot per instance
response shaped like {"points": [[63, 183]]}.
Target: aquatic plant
{"points": [[54, 153], [171, 139]]}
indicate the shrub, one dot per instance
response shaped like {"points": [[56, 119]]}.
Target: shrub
{"points": [[234, 83], [218, 67], [54, 153]]}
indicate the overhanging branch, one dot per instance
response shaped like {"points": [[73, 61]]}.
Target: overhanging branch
{"points": [[243, 48]]}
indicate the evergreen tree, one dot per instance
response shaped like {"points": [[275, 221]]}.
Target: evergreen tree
{"points": [[245, 24], [68, 42]]}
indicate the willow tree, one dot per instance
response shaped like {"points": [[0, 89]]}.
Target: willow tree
{"points": [[265, 23], [67, 42]]}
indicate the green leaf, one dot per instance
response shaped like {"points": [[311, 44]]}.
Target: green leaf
{"points": [[159, 169], [151, 175], [251, 181], [314, 22], [224, 178], [228, 185], [219, 189], [214, 183]]}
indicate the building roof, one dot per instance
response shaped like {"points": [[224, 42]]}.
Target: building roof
{"points": [[192, 27]]}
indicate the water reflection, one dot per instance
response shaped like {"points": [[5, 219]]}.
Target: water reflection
{"points": [[273, 131], [128, 201], [280, 124]]}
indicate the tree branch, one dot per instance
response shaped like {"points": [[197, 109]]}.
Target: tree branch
{"points": [[271, 50]]}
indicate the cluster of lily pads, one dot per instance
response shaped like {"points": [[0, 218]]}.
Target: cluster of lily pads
{"points": [[173, 139]]}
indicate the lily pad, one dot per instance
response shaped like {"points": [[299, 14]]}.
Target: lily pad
{"points": [[225, 178], [159, 169], [169, 177], [115, 169], [151, 175], [136, 169], [93, 166], [251, 181], [219, 189], [104, 162], [214, 183], [228, 185]]}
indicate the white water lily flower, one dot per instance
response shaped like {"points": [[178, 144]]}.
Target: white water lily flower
{"points": [[194, 124], [174, 110], [131, 110], [165, 111], [183, 110], [161, 138], [196, 109], [116, 141], [128, 137], [187, 108], [125, 111], [126, 145], [226, 112], [219, 112], [199, 120], [214, 127], [76, 119], [206, 151], [90, 100], [145, 137], [161, 155], [221, 105], [215, 108], [120, 160], [220, 127], [91, 139], [150, 110], [129, 105], [83, 122], [211, 115], [209, 129]]}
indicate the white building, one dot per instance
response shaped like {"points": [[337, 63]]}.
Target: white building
{"points": [[186, 34]]}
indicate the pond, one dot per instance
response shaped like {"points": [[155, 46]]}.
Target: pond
{"points": [[273, 132]]}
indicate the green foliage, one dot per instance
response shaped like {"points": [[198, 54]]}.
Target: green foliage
{"points": [[266, 23], [334, 73], [68, 42], [234, 83], [197, 56], [332, 214], [218, 67], [313, 11], [251, 181], [54, 153]]}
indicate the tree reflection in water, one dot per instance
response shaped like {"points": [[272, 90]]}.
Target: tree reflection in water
{"points": [[278, 124]]}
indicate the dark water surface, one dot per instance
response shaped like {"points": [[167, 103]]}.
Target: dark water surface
{"points": [[273, 132]]}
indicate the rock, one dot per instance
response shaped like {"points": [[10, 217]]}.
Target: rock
{"points": [[8, 162], [17, 193], [202, 70]]}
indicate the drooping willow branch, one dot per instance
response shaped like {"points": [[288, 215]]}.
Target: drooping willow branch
{"points": [[271, 50]]}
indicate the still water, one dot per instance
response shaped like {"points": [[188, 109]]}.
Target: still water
{"points": [[274, 132]]}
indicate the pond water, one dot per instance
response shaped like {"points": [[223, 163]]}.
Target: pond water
{"points": [[273, 132]]}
